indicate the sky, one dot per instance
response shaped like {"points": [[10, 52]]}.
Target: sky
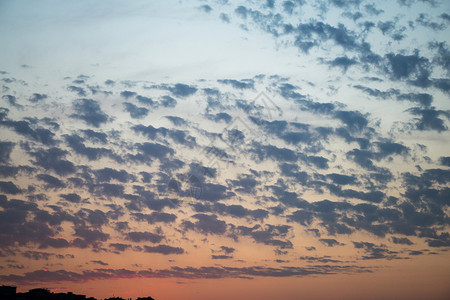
{"points": [[226, 149]]}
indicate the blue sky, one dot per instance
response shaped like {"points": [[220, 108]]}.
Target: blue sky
{"points": [[181, 141]]}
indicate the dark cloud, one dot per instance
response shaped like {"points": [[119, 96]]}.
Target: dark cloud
{"points": [[278, 154], [241, 11], [51, 181], [401, 241], [373, 251], [89, 237], [420, 98], [149, 151], [108, 174], [37, 255], [205, 8], [94, 136], [269, 234], [342, 62], [29, 129], [429, 118], [177, 121], [127, 94], [163, 249], [445, 160], [9, 187], [354, 120], [320, 259], [89, 111], [214, 192], [77, 144], [78, 90], [71, 197], [424, 20], [245, 183], [227, 250], [155, 217], [119, 246], [342, 179], [12, 101], [5, 151], [233, 210], [182, 90], [221, 256], [225, 18], [168, 101], [36, 97], [137, 237], [206, 224], [413, 67], [99, 262], [135, 111], [330, 242], [211, 272], [53, 159], [243, 84]]}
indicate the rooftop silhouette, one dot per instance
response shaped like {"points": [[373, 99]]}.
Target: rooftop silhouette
{"points": [[10, 293]]}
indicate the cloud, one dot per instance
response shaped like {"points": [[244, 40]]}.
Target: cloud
{"points": [[51, 181], [373, 251], [177, 121], [71, 197], [53, 159], [221, 256], [135, 111], [243, 84], [89, 111], [182, 90], [128, 94], [148, 151], [36, 97], [354, 120], [119, 246], [94, 136], [320, 259], [330, 242], [225, 18], [233, 210], [12, 101], [445, 160], [401, 241], [163, 249], [77, 144], [408, 66], [205, 8], [9, 187], [206, 224], [136, 236], [168, 101], [89, 237], [343, 62], [5, 151], [108, 174], [155, 217], [206, 272], [99, 262], [26, 129], [268, 235], [429, 118]]}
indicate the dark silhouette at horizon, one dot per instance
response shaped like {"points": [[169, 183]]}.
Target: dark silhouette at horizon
{"points": [[10, 293]]}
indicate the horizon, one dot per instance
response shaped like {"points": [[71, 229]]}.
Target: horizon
{"points": [[246, 149]]}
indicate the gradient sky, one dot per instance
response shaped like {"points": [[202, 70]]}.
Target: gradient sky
{"points": [[226, 149]]}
